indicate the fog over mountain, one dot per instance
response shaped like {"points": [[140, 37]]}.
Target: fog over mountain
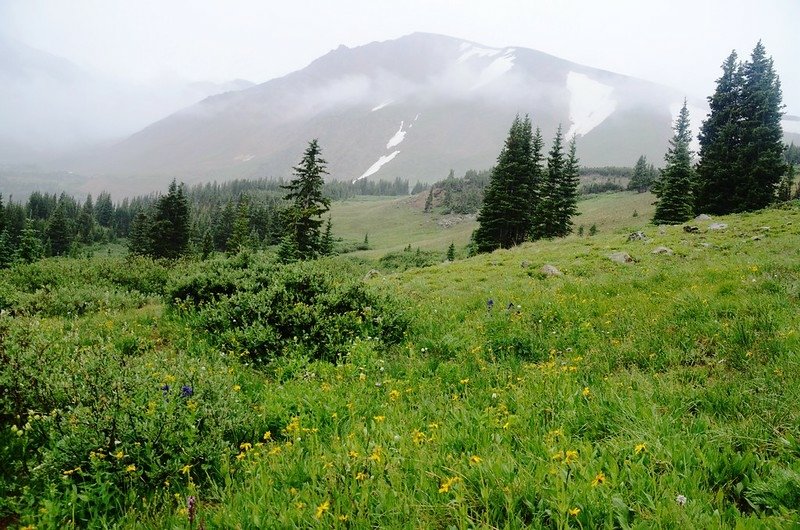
{"points": [[52, 106]]}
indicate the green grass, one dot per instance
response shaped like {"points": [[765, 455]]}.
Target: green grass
{"points": [[595, 399]]}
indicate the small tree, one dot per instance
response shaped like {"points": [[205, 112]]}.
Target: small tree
{"points": [[169, 228], [30, 247], [642, 176], [429, 201], [308, 203], [139, 237], [451, 252], [58, 232], [326, 245], [677, 178], [786, 185]]}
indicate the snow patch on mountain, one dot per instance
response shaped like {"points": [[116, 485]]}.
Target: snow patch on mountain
{"points": [[379, 107], [496, 69], [590, 103], [791, 126], [398, 137], [470, 50], [696, 117], [377, 165]]}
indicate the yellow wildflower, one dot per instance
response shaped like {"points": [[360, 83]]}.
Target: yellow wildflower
{"points": [[586, 391], [449, 483], [267, 435], [464, 381], [185, 469], [361, 476], [599, 479], [321, 509], [640, 448], [343, 518], [293, 491], [475, 459], [362, 376], [393, 395], [379, 419], [570, 456], [120, 455], [418, 436], [558, 456], [352, 454], [131, 468], [574, 511], [246, 446], [236, 388], [299, 505], [376, 454]]}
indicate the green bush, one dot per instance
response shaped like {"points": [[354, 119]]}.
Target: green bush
{"points": [[312, 308]]}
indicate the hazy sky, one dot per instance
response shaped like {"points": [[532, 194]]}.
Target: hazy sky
{"points": [[680, 43]]}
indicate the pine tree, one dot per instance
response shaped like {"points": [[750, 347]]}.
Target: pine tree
{"points": [[287, 250], [535, 185], [206, 245], [786, 185], [550, 222], [6, 249], [240, 236], [308, 203], [674, 203], [326, 245], [761, 157], [30, 247], [506, 217], [169, 228], [104, 210], [642, 176], [86, 222], [451, 252], [139, 235], [567, 203], [429, 201], [2, 215], [58, 232]]}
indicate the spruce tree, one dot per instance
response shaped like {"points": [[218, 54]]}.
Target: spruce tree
{"points": [[6, 249], [567, 199], [326, 244], [287, 250], [536, 183], [506, 217], [240, 236], [674, 203], [761, 157], [451, 252], [550, 196], [30, 247], [139, 235], [429, 201], [104, 210], [169, 227], [58, 232], [642, 176], [308, 203]]}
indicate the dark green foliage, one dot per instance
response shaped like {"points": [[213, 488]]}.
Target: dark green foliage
{"points": [[326, 244], [506, 217], [451, 252], [792, 155], [429, 202], [59, 233], [169, 227], [304, 217], [287, 250], [6, 249], [139, 238], [567, 201], [104, 210], [550, 220], [240, 235], [786, 185], [677, 178], [643, 176], [593, 229], [263, 312], [741, 149], [30, 246], [459, 195], [600, 187]]}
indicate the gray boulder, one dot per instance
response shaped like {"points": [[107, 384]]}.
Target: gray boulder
{"points": [[549, 270], [621, 257], [637, 236], [702, 217], [717, 226], [663, 250]]}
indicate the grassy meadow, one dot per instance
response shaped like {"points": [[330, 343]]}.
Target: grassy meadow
{"points": [[482, 393]]}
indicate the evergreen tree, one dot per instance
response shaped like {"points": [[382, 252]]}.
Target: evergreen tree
{"points": [[240, 236], [642, 176], [287, 250], [58, 232], [741, 153], [169, 228], [429, 201], [139, 237], [86, 222], [674, 203], [104, 210], [567, 201], [206, 245], [326, 243], [30, 247], [551, 188], [535, 185], [506, 217], [761, 157], [451, 252], [2, 215], [308, 203], [6, 249]]}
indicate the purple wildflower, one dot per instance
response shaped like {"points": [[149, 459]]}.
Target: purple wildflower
{"points": [[165, 389], [191, 508], [186, 391]]}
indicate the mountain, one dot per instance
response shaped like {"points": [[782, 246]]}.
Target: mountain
{"points": [[60, 107], [413, 107]]}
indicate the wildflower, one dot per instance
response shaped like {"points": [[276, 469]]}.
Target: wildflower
{"points": [[191, 508], [165, 389], [558, 456], [246, 446], [131, 468], [343, 518], [186, 391], [574, 511], [362, 376], [570, 456], [352, 454], [237, 388], [321, 509], [119, 455], [361, 476], [418, 436], [267, 435], [640, 448], [185, 469], [489, 304], [475, 459], [379, 419], [464, 381], [393, 395], [71, 471], [681, 500], [586, 391], [449, 483], [600, 478], [376, 454]]}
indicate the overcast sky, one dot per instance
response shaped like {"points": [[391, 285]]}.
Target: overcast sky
{"points": [[680, 43]]}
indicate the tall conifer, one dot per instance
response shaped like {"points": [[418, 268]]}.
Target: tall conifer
{"points": [[677, 178]]}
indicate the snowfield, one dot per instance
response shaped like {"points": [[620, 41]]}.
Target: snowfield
{"points": [[379, 107], [398, 137], [496, 69], [377, 165], [590, 103]]}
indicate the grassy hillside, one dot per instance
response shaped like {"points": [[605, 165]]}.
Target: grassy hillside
{"points": [[394, 223], [657, 393]]}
